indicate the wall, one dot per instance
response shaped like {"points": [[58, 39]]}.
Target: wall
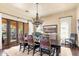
{"points": [[77, 18], [0, 32], [13, 18], [55, 19]]}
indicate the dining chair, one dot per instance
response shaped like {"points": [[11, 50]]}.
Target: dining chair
{"points": [[22, 42], [31, 44], [45, 46], [71, 40], [36, 35], [25, 42], [54, 44]]}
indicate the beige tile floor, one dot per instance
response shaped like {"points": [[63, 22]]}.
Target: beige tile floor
{"points": [[14, 51]]}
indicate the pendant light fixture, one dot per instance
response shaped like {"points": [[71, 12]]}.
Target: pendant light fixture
{"points": [[37, 21]]}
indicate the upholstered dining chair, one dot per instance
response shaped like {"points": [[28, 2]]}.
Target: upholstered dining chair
{"points": [[25, 41], [31, 44], [36, 36], [72, 40], [22, 42], [54, 43], [53, 38], [45, 45]]}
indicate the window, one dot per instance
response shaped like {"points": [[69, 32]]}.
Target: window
{"points": [[40, 29], [30, 28], [65, 28]]}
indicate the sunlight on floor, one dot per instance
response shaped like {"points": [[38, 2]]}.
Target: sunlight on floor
{"points": [[66, 51]]}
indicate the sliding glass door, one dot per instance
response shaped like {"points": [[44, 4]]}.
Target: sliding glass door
{"points": [[8, 33], [4, 32], [13, 31], [20, 28]]}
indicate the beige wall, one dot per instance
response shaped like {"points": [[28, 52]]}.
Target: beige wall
{"points": [[0, 32], [77, 18], [54, 19], [13, 18]]}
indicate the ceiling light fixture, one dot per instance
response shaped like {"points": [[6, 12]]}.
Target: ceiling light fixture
{"points": [[37, 21]]}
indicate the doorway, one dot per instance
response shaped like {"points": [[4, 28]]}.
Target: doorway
{"points": [[4, 33], [13, 33], [9, 32]]}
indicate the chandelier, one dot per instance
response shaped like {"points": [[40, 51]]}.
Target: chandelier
{"points": [[37, 21]]}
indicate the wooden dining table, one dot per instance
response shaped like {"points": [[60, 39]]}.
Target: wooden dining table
{"points": [[56, 46]]}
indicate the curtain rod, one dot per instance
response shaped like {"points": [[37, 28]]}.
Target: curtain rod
{"points": [[12, 15], [65, 17]]}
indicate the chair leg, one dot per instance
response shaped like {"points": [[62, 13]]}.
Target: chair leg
{"points": [[70, 45], [33, 50], [40, 52], [57, 51], [49, 52], [28, 49], [20, 47], [24, 47], [54, 51]]}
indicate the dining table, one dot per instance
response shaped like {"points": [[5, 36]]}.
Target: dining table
{"points": [[56, 46]]}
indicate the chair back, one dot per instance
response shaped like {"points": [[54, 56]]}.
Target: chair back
{"points": [[53, 38], [44, 42], [36, 36], [73, 37], [21, 38], [30, 40]]}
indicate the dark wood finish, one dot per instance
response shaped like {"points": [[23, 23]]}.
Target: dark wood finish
{"points": [[8, 32], [17, 30], [23, 28], [4, 42]]}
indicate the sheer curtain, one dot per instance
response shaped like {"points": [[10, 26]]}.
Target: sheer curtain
{"points": [[65, 28], [40, 29], [30, 28]]}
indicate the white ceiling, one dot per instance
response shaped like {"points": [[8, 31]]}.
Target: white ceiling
{"points": [[18, 9]]}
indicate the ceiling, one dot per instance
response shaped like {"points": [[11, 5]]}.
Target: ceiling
{"points": [[19, 9]]}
